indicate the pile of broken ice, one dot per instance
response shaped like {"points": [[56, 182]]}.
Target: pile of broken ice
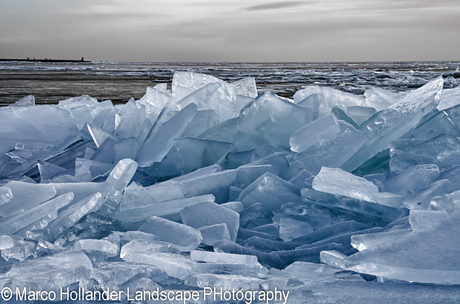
{"points": [[211, 184]]}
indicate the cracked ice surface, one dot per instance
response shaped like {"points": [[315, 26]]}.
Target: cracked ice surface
{"points": [[334, 197]]}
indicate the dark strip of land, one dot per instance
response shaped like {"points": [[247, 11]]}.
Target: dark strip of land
{"points": [[45, 60]]}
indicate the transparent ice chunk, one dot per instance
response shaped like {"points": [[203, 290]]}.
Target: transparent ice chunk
{"points": [[412, 180], [235, 206], [21, 250], [392, 123], [25, 196], [183, 237], [17, 222], [329, 98], [421, 200], [103, 247], [71, 214], [335, 152], [449, 99], [169, 209], [209, 213], [145, 252], [48, 171], [318, 131], [291, 229], [271, 191], [158, 144], [268, 119], [51, 272], [25, 101], [196, 153], [246, 87], [380, 98], [214, 233], [337, 181], [89, 170], [6, 195], [122, 174], [43, 131], [213, 96], [203, 120], [222, 258], [427, 254], [6, 242]]}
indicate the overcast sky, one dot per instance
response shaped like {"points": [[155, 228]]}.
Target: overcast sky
{"points": [[231, 30]]}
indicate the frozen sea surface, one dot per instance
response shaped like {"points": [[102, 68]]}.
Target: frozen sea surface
{"points": [[118, 81], [211, 183]]}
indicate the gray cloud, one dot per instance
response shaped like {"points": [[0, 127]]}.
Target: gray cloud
{"points": [[275, 5]]}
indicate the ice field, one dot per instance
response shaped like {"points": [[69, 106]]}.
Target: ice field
{"points": [[328, 197]]}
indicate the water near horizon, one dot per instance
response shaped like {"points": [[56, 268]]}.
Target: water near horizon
{"points": [[119, 81]]}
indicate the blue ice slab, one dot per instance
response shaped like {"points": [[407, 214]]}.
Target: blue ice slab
{"points": [[392, 123], [268, 120], [269, 190], [183, 237], [158, 144], [209, 213]]}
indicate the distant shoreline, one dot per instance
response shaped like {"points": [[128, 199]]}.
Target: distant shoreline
{"points": [[46, 60]]}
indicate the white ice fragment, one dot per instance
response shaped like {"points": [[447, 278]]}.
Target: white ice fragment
{"points": [[449, 99], [427, 254], [150, 253], [226, 282], [246, 87], [49, 273], [334, 258], [196, 81], [268, 120], [6, 242], [337, 181], [25, 196], [72, 214], [447, 202], [25, 101], [290, 229], [122, 173], [213, 96], [15, 223], [210, 213], [329, 98], [214, 233], [318, 131], [183, 237], [163, 192], [99, 135], [412, 180], [381, 99], [89, 170], [44, 131], [169, 209], [101, 246], [20, 251], [221, 257], [395, 121], [157, 145], [235, 206], [310, 272], [6, 195]]}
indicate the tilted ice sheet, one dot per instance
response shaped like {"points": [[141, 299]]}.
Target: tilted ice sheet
{"points": [[391, 123], [183, 237], [337, 181]]}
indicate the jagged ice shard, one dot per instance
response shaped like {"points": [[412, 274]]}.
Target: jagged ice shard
{"points": [[212, 185]]}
